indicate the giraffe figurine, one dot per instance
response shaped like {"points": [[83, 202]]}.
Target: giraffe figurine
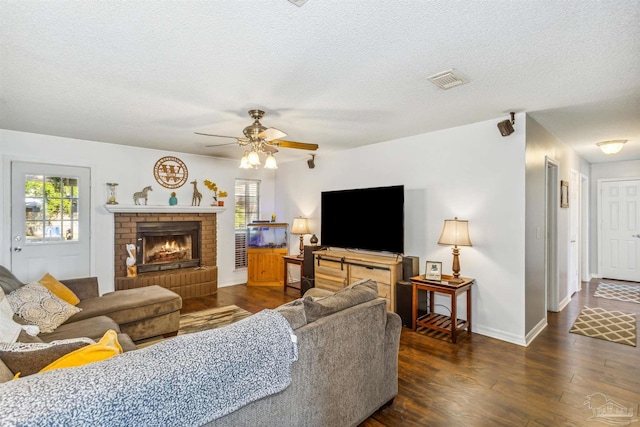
{"points": [[197, 196]]}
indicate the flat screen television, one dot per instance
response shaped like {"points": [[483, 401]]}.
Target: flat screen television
{"points": [[365, 218]]}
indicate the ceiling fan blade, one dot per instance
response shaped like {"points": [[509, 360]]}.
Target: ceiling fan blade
{"points": [[269, 149], [271, 133], [219, 136], [293, 144], [221, 145]]}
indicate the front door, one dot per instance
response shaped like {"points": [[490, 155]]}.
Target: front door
{"points": [[50, 221], [620, 230]]}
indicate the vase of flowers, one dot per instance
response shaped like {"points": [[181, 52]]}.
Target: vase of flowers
{"points": [[217, 193]]}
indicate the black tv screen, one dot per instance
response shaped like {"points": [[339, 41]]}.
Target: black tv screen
{"points": [[365, 218]]}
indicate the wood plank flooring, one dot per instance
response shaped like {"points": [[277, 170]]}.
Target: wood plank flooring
{"points": [[487, 382]]}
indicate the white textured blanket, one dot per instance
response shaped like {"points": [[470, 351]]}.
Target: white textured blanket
{"points": [[185, 381]]}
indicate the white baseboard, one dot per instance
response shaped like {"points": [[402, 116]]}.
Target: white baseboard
{"points": [[564, 303], [535, 331], [500, 335]]}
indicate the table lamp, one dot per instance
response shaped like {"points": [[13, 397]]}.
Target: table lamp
{"points": [[300, 226], [455, 232]]}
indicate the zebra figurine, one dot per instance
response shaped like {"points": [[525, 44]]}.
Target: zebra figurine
{"points": [[141, 195]]}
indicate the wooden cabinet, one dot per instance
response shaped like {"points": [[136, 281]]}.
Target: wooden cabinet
{"points": [[265, 267], [335, 269], [267, 245]]}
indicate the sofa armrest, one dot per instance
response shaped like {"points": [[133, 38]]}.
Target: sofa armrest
{"points": [[84, 288], [391, 348]]}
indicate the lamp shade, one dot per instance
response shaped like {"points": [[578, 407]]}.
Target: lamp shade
{"points": [[611, 147], [455, 232], [300, 226]]}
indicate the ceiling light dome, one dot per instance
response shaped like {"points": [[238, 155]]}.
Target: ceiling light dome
{"points": [[611, 147]]}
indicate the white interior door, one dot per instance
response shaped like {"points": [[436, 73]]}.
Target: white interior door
{"points": [[619, 241], [552, 183], [574, 233], [50, 221]]}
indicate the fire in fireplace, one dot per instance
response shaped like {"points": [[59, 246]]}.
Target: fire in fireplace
{"points": [[167, 245]]}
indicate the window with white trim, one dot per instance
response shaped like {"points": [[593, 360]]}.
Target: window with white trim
{"points": [[247, 210]]}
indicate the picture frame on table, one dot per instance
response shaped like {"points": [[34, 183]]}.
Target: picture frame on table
{"points": [[433, 271]]}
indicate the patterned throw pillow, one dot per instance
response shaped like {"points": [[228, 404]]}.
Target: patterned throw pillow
{"points": [[36, 304]]}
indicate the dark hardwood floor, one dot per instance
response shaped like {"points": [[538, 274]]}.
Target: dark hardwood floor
{"points": [[487, 382]]}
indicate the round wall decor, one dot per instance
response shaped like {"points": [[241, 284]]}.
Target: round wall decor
{"points": [[170, 172]]}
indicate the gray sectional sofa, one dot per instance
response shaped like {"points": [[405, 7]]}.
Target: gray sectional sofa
{"points": [[346, 369]]}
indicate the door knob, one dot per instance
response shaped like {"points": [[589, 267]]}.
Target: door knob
{"points": [[635, 235], [17, 249]]}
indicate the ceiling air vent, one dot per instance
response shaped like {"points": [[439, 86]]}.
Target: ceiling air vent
{"points": [[447, 79]]}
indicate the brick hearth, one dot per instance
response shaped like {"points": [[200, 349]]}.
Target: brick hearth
{"points": [[188, 282]]}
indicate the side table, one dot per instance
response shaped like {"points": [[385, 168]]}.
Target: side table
{"points": [[296, 260], [440, 322]]}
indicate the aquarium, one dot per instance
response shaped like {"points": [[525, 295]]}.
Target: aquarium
{"points": [[267, 235]]}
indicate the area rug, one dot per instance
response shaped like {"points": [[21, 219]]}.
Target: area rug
{"points": [[618, 292], [210, 318], [613, 326]]}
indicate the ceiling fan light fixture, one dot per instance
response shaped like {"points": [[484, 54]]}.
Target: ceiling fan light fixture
{"points": [[253, 158], [611, 147], [244, 161], [270, 162]]}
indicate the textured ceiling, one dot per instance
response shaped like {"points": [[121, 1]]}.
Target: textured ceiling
{"points": [[333, 72]]}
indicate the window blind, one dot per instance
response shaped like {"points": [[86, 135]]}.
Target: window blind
{"points": [[247, 210]]}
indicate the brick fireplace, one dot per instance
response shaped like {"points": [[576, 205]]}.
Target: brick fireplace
{"points": [[186, 282]]}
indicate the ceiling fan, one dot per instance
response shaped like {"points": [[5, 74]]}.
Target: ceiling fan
{"points": [[260, 139]]}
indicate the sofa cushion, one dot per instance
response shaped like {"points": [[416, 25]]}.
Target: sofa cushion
{"points": [[8, 281], [130, 305], [37, 305], [294, 313], [317, 293], [29, 358], [58, 289], [26, 337], [93, 328], [362, 291], [126, 343]]}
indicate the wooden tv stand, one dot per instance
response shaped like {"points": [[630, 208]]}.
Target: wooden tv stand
{"points": [[337, 269]]}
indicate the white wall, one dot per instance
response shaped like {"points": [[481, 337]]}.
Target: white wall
{"points": [[599, 171], [470, 172], [132, 168], [541, 144]]}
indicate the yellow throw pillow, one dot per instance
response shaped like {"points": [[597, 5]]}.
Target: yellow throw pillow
{"points": [[58, 289], [107, 347]]}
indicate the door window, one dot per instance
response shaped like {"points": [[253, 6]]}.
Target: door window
{"points": [[51, 209]]}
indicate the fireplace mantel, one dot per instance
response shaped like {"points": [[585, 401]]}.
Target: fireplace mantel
{"points": [[163, 209]]}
